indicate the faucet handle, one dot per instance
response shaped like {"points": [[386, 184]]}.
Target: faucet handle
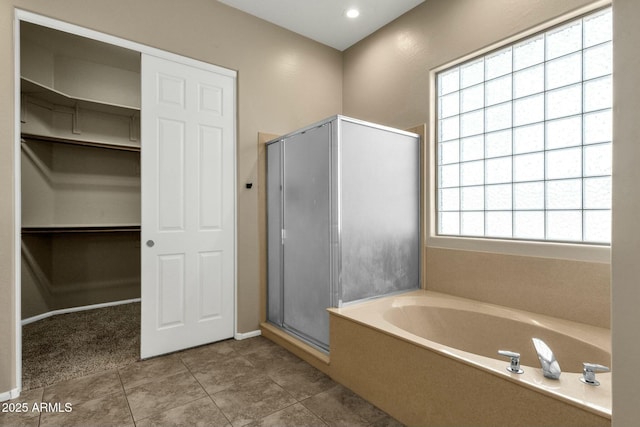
{"points": [[515, 361], [589, 372]]}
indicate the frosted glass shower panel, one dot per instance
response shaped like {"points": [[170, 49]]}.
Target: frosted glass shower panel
{"points": [[306, 272], [379, 212]]}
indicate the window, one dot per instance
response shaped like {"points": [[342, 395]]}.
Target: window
{"points": [[523, 140]]}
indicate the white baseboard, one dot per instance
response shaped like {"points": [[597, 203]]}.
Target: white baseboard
{"points": [[244, 336], [8, 395], [75, 309]]}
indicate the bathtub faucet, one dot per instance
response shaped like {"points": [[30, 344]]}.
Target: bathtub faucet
{"points": [[550, 366], [515, 361], [589, 373]]}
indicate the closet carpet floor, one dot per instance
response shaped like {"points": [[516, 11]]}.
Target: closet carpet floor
{"points": [[77, 344], [252, 382]]}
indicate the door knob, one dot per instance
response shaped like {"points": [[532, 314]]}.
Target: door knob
{"points": [[150, 243]]}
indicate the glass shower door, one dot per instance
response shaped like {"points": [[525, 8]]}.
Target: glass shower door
{"points": [[306, 267]]}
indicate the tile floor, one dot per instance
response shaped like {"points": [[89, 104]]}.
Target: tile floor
{"points": [[232, 383]]}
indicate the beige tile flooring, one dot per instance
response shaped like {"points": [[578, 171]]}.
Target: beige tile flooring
{"points": [[231, 383]]}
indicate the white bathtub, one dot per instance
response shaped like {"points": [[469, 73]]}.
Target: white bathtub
{"points": [[472, 332]]}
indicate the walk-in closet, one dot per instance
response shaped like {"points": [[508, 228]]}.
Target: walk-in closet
{"points": [[127, 200], [80, 174], [127, 195]]}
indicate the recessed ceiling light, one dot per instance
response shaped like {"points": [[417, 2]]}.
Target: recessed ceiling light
{"points": [[353, 13]]}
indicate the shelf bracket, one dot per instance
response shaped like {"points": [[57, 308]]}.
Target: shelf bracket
{"points": [[133, 129], [75, 121]]}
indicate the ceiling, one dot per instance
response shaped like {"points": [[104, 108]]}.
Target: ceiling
{"points": [[324, 20]]}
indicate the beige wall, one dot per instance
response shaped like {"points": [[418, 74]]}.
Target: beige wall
{"points": [[626, 205], [7, 259], [284, 82], [386, 80]]}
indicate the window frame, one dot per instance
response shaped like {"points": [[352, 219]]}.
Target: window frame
{"points": [[538, 248]]}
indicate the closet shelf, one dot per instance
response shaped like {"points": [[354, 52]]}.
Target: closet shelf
{"points": [[80, 229], [53, 96], [84, 143]]}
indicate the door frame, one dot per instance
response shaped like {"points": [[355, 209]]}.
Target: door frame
{"points": [[34, 18]]}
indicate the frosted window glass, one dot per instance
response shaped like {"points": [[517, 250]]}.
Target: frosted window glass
{"points": [[449, 199], [498, 197], [449, 152], [498, 90], [498, 64], [597, 226], [564, 102], [472, 173], [528, 196], [597, 94], [449, 128], [472, 123], [472, 198], [472, 148], [565, 163], [498, 143], [564, 194], [528, 110], [524, 137], [564, 225], [598, 61], [564, 132], [528, 53], [472, 223], [528, 167], [529, 225], [498, 117], [449, 81], [449, 223], [449, 176], [597, 28], [564, 40], [597, 127], [499, 224], [472, 74], [597, 160], [597, 193], [450, 105], [472, 98], [498, 171], [528, 81], [564, 71], [528, 138]]}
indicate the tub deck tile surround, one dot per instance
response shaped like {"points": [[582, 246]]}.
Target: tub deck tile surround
{"points": [[252, 382]]}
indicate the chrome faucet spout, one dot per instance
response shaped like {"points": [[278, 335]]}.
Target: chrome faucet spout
{"points": [[550, 366]]}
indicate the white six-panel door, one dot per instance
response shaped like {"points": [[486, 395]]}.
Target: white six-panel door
{"points": [[188, 206]]}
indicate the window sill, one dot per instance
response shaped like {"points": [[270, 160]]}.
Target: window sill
{"points": [[568, 251]]}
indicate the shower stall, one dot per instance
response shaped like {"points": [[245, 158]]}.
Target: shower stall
{"points": [[343, 221]]}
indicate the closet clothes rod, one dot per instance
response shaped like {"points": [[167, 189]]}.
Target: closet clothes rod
{"points": [[78, 142], [81, 229]]}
